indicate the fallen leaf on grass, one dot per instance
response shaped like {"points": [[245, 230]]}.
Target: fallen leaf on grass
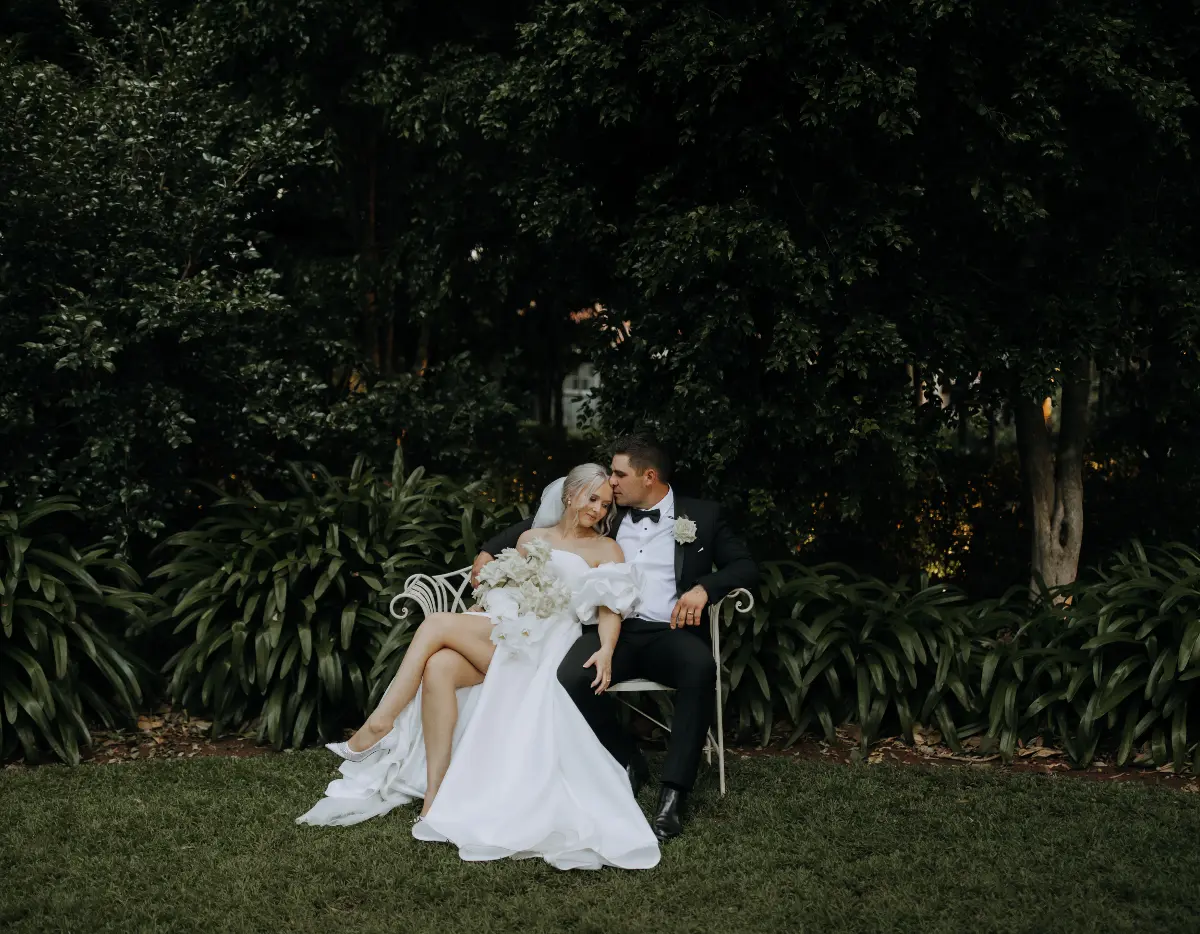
{"points": [[1039, 752]]}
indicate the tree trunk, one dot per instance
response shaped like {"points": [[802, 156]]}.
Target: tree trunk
{"points": [[1053, 473], [556, 400], [918, 386], [389, 346], [424, 340], [962, 438]]}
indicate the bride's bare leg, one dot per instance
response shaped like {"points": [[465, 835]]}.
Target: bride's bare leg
{"points": [[470, 636], [445, 672]]}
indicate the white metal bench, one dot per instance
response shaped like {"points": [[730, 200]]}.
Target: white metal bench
{"points": [[448, 593]]}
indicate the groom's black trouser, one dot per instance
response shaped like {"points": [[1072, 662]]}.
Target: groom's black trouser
{"points": [[677, 658]]}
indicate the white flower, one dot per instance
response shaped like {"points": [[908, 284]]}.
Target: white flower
{"points": [[685, 530], [491, 574], [538, 550], [518, 633], [520, 593]]}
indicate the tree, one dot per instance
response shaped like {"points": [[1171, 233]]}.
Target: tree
{"points": [[142, 342], [804, 198], [411, 224], [1054, 227]]}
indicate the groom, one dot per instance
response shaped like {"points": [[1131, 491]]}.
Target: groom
{"points": [[689, 558]]}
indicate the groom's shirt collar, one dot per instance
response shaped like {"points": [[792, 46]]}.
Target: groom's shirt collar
{"points": [[651, 546]]}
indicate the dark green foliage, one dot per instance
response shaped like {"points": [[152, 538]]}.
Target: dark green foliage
{"points": [[827, 646], [282, 604], [1106, 663], [153, 330], [141, 337], [1119, 662], [815, 214], [221, 220], [244, 233], [63, 664]]}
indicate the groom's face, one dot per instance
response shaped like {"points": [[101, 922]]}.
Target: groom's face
{"points": [[630, 487]]}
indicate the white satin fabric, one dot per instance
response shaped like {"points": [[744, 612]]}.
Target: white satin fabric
{"points": [[527, 777]]}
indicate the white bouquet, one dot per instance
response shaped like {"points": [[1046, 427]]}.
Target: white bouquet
{"points": [[520, 593]]}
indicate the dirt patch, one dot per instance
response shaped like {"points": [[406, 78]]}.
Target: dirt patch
{"points": [[1036, 758], [173, 734], [164, 734]]}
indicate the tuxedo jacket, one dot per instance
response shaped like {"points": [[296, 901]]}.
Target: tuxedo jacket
{"points": [[717, 560]]}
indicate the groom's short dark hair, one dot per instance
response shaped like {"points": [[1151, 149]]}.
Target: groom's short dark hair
{"points": [[644, 452]]}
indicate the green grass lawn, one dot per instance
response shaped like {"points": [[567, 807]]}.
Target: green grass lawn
{"points": [[209, 845]]}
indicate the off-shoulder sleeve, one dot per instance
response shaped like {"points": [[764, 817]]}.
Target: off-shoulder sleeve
{"points": [[616, 586]]}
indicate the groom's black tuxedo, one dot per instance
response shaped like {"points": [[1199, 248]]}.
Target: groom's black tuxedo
{"points": [[680, 658]]}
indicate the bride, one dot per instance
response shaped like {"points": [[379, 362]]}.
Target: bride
{"points": [[527, 777]]}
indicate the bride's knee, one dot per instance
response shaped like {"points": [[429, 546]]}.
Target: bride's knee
{"points": [[436, 625], [440, 669]]}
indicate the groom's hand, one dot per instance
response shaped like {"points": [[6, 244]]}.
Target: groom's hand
{"points": [[480, 560], [689, 610]]}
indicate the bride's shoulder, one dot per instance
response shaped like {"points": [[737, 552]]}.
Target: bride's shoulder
{"points": [[609, 551]]}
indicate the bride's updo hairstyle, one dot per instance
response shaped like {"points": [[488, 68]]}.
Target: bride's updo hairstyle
{"points": [[585, 480]]}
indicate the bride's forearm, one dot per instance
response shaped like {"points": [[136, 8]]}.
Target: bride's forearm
{"points": [[609, 627]]}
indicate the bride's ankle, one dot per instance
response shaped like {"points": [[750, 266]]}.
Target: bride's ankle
{"points": [[366, 737]]}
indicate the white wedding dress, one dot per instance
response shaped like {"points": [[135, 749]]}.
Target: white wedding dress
{"points": [[527, 776]]}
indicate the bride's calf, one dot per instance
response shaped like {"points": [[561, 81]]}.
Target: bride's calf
{"points": [[469, 635]]}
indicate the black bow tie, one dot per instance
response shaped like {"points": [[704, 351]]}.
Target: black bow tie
{"points": [[639, 514]]}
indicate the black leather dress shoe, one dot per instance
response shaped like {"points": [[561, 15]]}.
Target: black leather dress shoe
{"points": [[668, 816], [638, 771]]}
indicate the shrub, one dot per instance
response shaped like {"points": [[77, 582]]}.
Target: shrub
{"points": [[1127, 657], [850, 649], [1107, 661], [62, 664], [283, 603]]}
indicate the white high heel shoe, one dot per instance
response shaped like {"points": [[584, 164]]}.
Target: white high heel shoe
{"points": [[344, 750]]}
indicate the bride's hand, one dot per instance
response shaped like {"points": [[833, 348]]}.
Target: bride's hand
{"points": [[602, 659], [480, 560]]}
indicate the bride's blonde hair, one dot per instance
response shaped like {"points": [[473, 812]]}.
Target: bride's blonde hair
{"points": [[586, 479]]}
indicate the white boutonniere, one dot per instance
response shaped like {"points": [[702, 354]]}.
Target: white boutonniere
{"points": [[685, 530]]}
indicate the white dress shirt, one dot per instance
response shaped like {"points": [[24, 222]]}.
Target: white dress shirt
{"points": [[651, 546]]}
